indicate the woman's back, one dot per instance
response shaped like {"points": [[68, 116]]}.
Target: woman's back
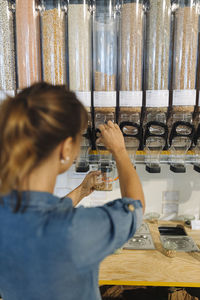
{"points": [[52, 250]]}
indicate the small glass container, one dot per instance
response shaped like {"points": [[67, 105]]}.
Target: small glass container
{"points": [[170, 248], [152, 217], [104, 181]]}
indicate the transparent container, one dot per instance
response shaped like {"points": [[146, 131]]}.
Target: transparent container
{"points": [[54, 41], [104, 181], [7, 47], [158, 34], [28, 43], [105, 29], [131, 44], [185, 55], [79, 45], [185, 44], [158, 41]]}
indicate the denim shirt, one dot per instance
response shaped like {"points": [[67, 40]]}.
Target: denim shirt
{"points": [[53, 250]]}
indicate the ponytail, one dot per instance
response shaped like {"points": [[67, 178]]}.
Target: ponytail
{"points": [[31, 126]]}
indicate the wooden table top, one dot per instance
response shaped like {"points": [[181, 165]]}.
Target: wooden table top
{"points": [[153, 267]]}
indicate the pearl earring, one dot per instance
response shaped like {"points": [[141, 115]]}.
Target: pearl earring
{"points": [[64, 161]]}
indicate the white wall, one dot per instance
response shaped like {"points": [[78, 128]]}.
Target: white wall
{"points": [[187, 185]]}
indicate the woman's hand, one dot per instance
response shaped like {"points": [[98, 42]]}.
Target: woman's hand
{"points": [[88, 184], [112, 137], [85, 188]]}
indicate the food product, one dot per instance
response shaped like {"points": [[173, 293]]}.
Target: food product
{"points": [[131, 46], [79, 43], [53, 44], [185, 47], [158, 44], [7, 48], [28, 43], [104, 82]]}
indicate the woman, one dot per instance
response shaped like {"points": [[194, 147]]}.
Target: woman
{"points": [[48, 248]]}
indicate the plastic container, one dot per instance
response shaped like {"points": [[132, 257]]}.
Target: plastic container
{"points": [[185, 55], [131, 44], [105, 46], [79, 45], [54, 41], [158, 36], [7, 48], [28, 43]]}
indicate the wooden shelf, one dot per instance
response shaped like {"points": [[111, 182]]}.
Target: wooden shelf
{"points": [[152, 267]]}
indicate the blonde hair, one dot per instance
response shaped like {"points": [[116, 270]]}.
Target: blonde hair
{"points": [[32, 124]]}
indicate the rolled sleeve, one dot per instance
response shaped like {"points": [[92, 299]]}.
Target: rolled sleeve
{"points": [[96, 232]]}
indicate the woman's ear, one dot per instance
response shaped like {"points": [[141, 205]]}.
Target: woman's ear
{"points": [[67, 149]]}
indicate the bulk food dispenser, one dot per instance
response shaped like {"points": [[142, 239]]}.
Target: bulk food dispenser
{"points": [[130, 73], [157, 66], [53, 30], [7, 49], [184, 77], [80, 66], [105, 30], [28, 43]]}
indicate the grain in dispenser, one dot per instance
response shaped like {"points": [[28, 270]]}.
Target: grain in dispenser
{"points": [[157, 66], [28, 43], [105, 30], [131, 63], [184, 80], [158, 33], [7, 49], [185, 55], [79, 47], [54, 41]]}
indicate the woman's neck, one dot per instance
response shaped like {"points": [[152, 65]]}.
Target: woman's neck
{"points": [[42, 178]]}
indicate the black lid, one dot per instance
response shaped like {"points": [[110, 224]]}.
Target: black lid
{"points": [[178, 168], [153, 168]]}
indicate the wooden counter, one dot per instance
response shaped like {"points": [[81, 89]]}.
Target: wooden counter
{"points": [[153, 267]]}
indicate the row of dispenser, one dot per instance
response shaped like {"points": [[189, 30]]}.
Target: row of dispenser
{"points": [[136, 62], [104, 46]]}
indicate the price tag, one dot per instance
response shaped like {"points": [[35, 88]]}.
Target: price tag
{"points": [[105, 99], [184, 97], [84, 98], [130, 98], [157, 98]]}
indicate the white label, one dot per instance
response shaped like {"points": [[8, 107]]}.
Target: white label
{"points": [[4, 94], [157, 98], [195, 224], [130, 98], [104, 99], [184, 97], [84, 98]]}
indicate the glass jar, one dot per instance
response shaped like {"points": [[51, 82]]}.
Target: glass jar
{"points": [[54, 41], [185, 55], [104, 182], [105, 29], [28, 43], [7, 48]]}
